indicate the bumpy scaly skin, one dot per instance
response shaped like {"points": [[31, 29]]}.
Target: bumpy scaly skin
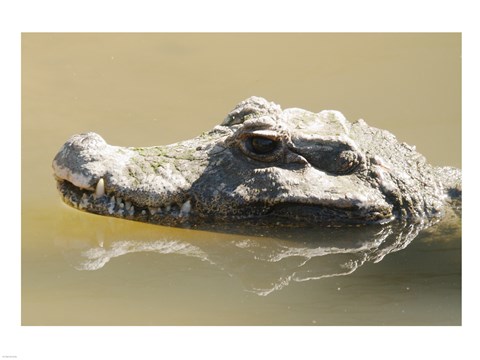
{"points": [[261, 164]]}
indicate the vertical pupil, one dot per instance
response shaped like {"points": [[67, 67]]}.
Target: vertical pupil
{"points": [[261, 145]]}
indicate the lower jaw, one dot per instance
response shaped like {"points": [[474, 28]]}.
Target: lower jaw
{"points": [[328, 215], [114, 206], [176, 215]]}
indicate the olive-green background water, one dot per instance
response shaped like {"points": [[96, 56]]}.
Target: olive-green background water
{"points": [[151, 89]]}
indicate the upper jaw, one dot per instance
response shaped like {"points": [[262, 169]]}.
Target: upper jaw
{"points": [[116, 181], [110, 180]]}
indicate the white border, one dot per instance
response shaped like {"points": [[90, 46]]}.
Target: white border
{"points": [[232, 342]]}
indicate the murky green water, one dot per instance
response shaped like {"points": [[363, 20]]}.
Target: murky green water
{"points": [[150, 89]]}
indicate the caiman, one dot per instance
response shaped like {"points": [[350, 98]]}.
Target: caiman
{"points": [[262, 164]]}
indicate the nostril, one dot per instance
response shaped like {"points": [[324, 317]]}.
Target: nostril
{"points": [[88, 140]]}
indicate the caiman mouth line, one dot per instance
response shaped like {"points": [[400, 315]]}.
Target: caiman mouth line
{"points": [[100, 202]]}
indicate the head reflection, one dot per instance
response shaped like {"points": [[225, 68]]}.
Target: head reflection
{"points": [[265, 261]]}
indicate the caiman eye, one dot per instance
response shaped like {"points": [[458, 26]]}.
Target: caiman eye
{"points": [[261, 145], [264, 148]]}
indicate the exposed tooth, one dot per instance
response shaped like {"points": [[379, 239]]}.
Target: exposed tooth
{"points": [[132, 210], [144, 212], [73, 202], [119, 201], [128, 204], [152, 210], [112, 200], [167, 208], [84, 201], [100, 189], [185, 209]]}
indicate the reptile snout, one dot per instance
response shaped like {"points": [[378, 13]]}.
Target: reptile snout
{"points": [[80, 159]]}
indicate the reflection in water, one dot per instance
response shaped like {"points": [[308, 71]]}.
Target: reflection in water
{"points": [[264, 263], [94, 258]]}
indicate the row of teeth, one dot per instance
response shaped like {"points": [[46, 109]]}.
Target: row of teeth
{"points": [[117, 205], [120, 206]]}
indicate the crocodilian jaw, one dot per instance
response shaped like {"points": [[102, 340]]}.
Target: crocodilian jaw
{"points": [[99, 201]]}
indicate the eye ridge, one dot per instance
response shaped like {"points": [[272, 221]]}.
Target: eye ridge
{"points": [[261, 145]]}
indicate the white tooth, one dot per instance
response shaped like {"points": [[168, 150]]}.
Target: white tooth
{"points": [[100, 189], [128, 204], [84, 202], [152, 210], [186, 207], [167, 208], [119, 201], [143, 212], [112, 200], [132, 210]]}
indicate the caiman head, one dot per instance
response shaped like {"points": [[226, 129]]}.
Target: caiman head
{"points": [[261, 164]]}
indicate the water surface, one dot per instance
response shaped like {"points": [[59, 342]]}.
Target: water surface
{"points": [[152, 89]]}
